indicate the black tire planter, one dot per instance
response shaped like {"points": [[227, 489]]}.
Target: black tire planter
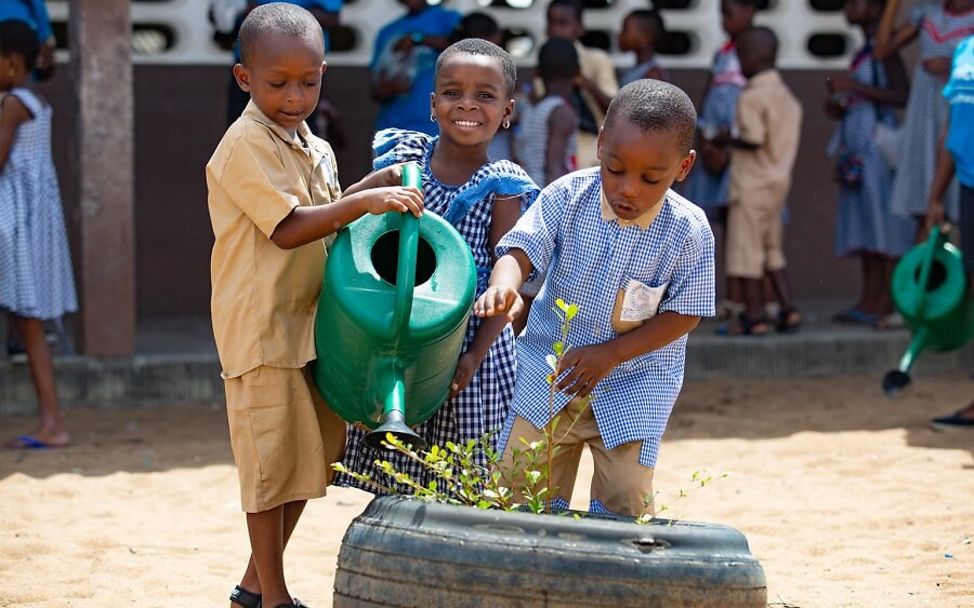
{"points": [[410, 554]]}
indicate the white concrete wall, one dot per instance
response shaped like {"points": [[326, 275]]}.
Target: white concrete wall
{"points": [[793, 20]]}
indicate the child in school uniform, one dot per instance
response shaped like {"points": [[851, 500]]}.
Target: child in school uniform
{"points": [[939, 26], [273, 197], [865, 227], [642, 32], [482, 199], [764, 142], [36, 282], [638, 260], [546, 140]]}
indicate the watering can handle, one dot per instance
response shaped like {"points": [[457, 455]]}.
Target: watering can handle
{"points": [[933, 244], [408, 248]]}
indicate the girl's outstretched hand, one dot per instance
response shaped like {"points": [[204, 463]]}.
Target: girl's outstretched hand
{"points": [[499, 300], [393, 198]]}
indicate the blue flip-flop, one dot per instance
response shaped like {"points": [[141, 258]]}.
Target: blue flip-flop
{"points": [[29, 442]]}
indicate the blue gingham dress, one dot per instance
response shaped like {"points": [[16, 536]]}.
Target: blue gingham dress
{"points": [[864, 222], [589, 260], [703, 187], [927, 110], [35, 265], [483, 405]]}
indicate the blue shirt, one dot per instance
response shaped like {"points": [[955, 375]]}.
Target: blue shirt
{"points": [[34, 12], [590, 259], [411, 111], [960, 93]]}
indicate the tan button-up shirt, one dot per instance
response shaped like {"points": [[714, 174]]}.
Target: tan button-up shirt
{"points": [[768, 116], [265, 298]]}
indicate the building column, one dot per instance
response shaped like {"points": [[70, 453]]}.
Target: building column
{"points": [[100, 38]]}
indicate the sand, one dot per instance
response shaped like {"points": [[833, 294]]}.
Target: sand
{"points": [[847, 499]]}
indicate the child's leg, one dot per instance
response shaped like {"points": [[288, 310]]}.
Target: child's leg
{"points": [[621, 485], [51, 430], [292, 513]]}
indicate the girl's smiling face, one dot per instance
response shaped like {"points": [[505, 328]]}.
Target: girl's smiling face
{"points": [[471, 99]]}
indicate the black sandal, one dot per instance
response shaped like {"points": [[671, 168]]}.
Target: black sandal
{"points": [[244, 598], [790, 321], [296, 604]]}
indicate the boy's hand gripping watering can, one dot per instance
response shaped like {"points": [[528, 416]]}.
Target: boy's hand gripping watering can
{"points": [[930, 290], [395, 301]]}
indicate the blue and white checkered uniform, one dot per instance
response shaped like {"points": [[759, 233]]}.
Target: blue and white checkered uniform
{"points": [[589, 261], [36, 279], [482, 407]]}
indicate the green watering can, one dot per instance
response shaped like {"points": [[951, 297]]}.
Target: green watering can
{"points": [[395, 301], [930, 291]]}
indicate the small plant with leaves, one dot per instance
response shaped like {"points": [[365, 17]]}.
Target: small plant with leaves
{"points": [[698, 479]]}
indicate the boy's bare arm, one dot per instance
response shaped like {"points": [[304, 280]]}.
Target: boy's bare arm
{"points": [[584, 367], [502, 298], [308, 224]]}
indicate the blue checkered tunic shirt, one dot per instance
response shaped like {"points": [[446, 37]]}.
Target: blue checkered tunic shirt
{"points": [[590, 260]]}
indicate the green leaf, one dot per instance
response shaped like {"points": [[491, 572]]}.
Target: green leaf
{"points": [[561, 305], [571, 311], [558, 347]]}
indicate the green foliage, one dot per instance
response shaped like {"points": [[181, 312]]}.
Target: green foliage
{"points": [[460, 479]]}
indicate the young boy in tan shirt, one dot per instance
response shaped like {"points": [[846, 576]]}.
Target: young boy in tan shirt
{"points": [[273, 196]]}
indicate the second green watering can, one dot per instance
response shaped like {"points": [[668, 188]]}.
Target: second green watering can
{"points": [[930, 290], [395, 302]]}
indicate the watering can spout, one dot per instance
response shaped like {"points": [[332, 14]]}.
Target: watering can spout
{"points": [[392, 388]]}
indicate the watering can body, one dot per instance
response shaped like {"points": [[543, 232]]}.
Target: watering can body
{"points": [[395, 301], [930, 291]]}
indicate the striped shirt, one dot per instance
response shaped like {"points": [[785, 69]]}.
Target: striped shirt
{"points": [[590, 259]]}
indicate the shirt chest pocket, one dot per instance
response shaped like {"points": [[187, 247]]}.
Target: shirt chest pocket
{"points": [[636, 302]]}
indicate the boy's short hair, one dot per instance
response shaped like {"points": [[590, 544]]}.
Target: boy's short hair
{"points": [[649, 18], [277, 19], [577, 6], [19, 38], [654, 105], [755, 4], [759, 42], [558, 60], [477, 25], [478, 46]]}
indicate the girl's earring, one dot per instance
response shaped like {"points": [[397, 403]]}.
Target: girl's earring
{"points": [[432, 117], [507, 124]]}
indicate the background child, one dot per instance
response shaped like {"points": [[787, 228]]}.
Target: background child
{"points": [[638, 261], [273, 195], [597, 83], [768, 129], [865, 227], [957, 157], [403, 64], [642, 31], [708, 185], [547, 135], [940, 26], [482, 199], [36, 282]]}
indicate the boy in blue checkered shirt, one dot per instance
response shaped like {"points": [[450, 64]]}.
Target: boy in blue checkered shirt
{"points": [[638, 260]]}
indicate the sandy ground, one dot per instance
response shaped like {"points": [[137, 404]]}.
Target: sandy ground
{"points": [[846, 498]]}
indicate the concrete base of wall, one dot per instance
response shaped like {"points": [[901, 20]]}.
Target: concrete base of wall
{"points": [[173, 378]]}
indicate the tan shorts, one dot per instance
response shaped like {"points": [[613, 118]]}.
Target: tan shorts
{"points": [[284, 437], [755, 236], [620, 483]]}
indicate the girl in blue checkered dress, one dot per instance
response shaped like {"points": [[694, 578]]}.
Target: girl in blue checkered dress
{"points": [[35, 267], [482, 200]]}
